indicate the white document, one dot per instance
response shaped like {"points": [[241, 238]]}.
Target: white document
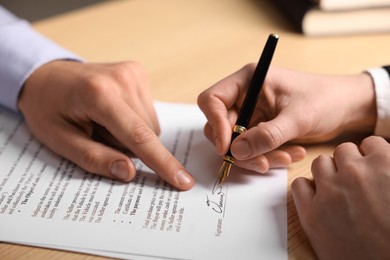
{"points": [[47, 201]]}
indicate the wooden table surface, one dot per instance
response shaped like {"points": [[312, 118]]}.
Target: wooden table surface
{"points": [[187, 45]]}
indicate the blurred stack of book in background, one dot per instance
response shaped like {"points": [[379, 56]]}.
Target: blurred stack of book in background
{"points": [[337, 17]]}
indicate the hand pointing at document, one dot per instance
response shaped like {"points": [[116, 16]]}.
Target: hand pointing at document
{"points": [[66, 104], [71, 106]]}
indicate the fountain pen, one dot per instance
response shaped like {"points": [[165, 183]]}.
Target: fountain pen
{"points": [[250, 101]]}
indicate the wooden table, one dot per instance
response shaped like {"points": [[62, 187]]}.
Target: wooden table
{"points": [[186, 46]]}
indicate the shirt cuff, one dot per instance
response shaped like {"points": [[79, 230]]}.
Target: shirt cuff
{"points": [[22, 51], [6, 16], [382, 92]]}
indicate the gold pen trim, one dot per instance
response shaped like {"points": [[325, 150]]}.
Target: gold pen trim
{"points": [[227, 159], [239, 129]]}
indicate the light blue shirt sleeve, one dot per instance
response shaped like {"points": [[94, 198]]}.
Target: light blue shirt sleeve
{"points": [[22, 50]]}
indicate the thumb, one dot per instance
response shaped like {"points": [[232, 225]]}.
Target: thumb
{"points": [[264, 137]]}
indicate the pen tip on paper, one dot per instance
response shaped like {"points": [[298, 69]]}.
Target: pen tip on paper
{"points": [[225, 169]]}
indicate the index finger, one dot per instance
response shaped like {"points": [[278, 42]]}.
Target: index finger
{"points": [[136, 135], [302, 190], [216, 101]]}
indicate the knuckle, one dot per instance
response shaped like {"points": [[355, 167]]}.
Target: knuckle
{"points": [[250, 66], [345, 145], [273, 136], [295, 185], [318, 159], [89, 159], [343, 148], [132, 66], [317, 162], [370, 139], [95, 86], [167, 158], [208, 131], [204, 99], [141, 134], [129, 69], [201, 99], [136, 67]]}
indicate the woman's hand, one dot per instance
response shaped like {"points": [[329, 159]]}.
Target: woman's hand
{"points": [[345, 209]]}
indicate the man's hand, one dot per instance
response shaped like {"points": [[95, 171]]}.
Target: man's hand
{"points": [[66, 104]]}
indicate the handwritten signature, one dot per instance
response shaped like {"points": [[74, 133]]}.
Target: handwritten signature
{"points": [[217, 199]]}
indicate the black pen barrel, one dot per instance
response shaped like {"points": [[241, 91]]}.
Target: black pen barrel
{"points": [[257, 81]]}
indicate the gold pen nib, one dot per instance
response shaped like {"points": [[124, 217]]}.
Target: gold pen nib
{"points": [[225, 168]]}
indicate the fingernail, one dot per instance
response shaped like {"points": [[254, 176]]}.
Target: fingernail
{"points": [[242, 149], [298, 155], [280, 162], [258, 167], [183, 178], [120, 170]]}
